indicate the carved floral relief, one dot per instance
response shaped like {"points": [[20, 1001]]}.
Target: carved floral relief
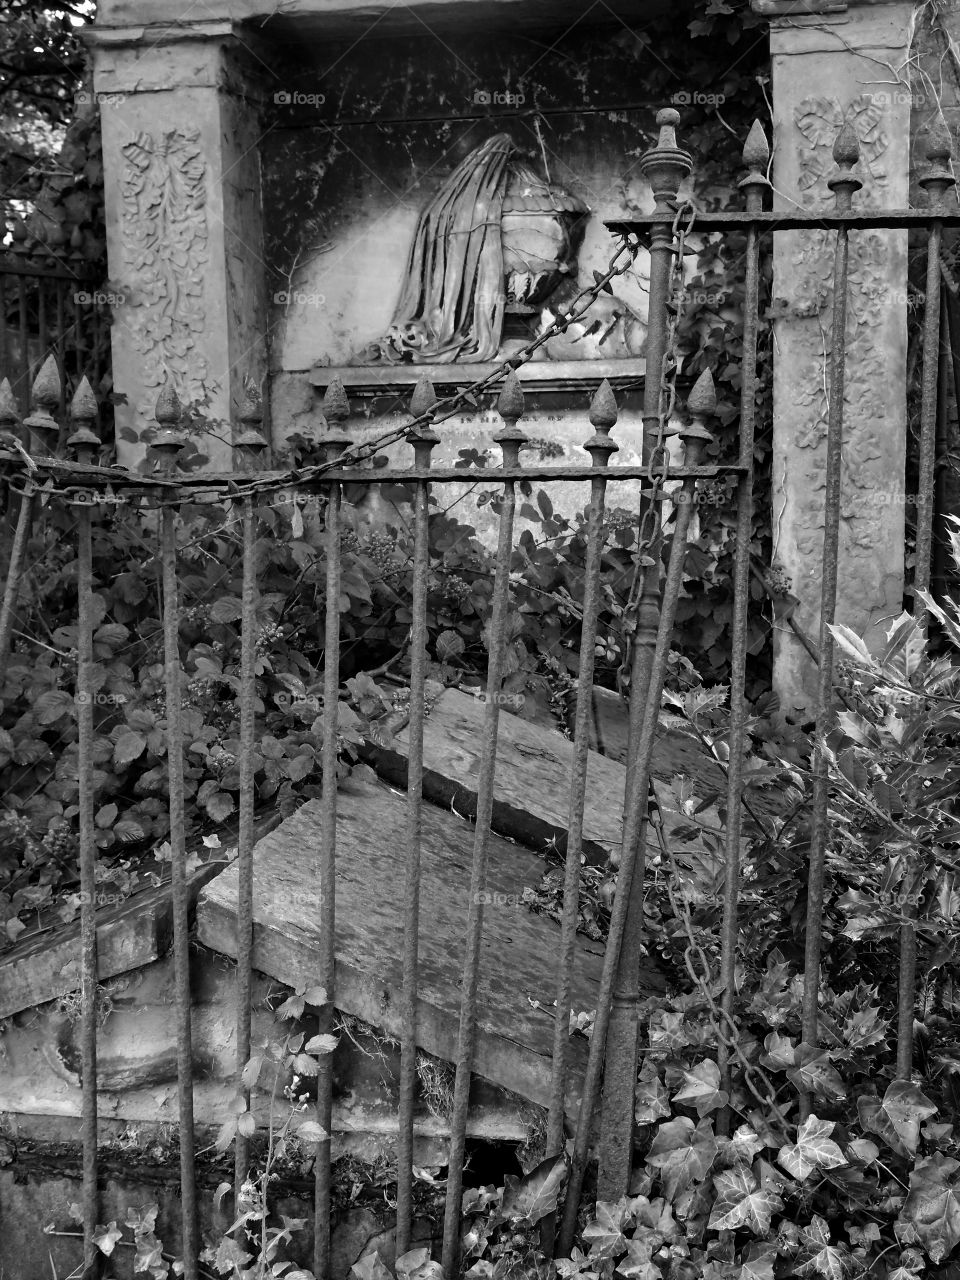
{"points": [[164, 237]]}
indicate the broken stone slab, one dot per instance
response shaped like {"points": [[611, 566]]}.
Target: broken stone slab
{"points": [[532, 777], [518, 971]]}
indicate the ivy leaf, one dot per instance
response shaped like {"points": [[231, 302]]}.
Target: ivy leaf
{"points": [[932, 1206], [741, 1202], [758, 1262], [370, 1267], [105, 1238], [532, 1197], [897, 1118], [780, 1052], [741, 1148], [652, 1096], [814, 1149], [701, 1088], [683, 1153], [637, 1264], [417, 1265], [605, 1231], [814, 1074]]}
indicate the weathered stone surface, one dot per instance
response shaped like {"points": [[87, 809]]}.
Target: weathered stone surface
{"points": [[518, 970], [826, 69]]}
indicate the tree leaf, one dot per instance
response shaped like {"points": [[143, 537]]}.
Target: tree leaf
{"points": [[814, 1149], [532, 1197]]}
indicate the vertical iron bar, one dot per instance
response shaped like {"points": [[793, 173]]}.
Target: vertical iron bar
{"points": [[10, 421], [510, 407], [603, 416], [846, 152], [665, 166], [423, 441], [24, 338], [336, 409], [756, 154], [248, 444], [83, 412], [701, 402], [935, 182], [169, 441], [941, 547]]}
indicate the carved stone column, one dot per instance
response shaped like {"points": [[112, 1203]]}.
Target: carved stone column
{"points": [[183, 211], [828, 67]]}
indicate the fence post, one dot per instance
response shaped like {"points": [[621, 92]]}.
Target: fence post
{"points": [[83, 412], [249, 444], [169, 443], [424, 439]]}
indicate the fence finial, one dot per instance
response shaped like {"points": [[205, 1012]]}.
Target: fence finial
{"points": [[45, 396], [846, 153], [83, 411], [169, 440], [335, 407], [756, 158], [510, 407], [9, 410], [423, 437], [702, 403], [666, 165], [938, 151], [249, 440], [603, 416]]}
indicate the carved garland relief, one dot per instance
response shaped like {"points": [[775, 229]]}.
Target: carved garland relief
{"points": [[869, 312], [164, 234]]}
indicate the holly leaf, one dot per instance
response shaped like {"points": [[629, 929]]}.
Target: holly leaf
{"points": [[701, 1088], [897, 1117], [683, 1153], [741, 1202], [814, 1149], [532, 1197]]}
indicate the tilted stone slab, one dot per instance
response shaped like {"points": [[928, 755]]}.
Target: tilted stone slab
{"points": [[520, 948]]}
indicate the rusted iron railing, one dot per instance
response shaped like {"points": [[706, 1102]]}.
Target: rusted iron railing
{"points": [[81, 482]]}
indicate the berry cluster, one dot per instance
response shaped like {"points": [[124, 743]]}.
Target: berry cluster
{"points": [[269, 635], [454, 588], [381, 550], [778, 580]]}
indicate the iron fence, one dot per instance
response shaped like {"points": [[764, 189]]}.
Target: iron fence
{"points": [[82, 482]]}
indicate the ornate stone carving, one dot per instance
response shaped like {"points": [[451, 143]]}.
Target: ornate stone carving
{"points": [[497, 240], [867, 470], [164, 237]]}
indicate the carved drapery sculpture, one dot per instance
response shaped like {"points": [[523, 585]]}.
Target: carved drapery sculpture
{"points": [[495, 239]]}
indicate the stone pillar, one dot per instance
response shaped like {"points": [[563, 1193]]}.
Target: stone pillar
{"points": [[184, 231], [829, 67]]}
